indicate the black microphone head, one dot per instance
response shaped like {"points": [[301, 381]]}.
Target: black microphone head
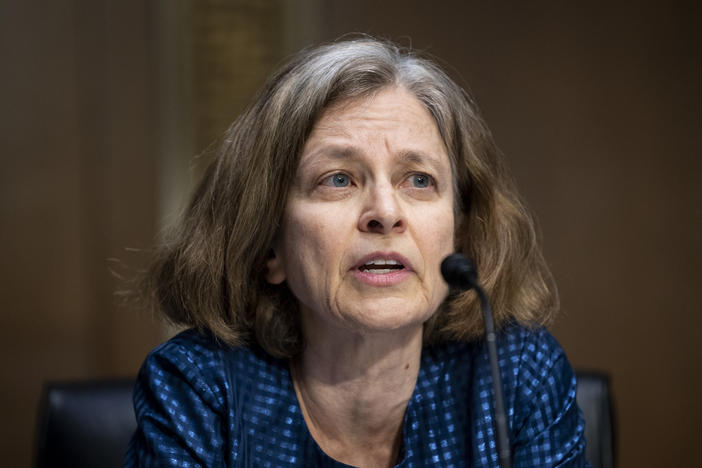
{"points": [[459, 272]]}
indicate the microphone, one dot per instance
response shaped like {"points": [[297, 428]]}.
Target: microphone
{"points": [[460, 273]]}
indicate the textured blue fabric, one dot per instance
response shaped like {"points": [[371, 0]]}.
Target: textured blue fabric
{"points": [[199, 404]]}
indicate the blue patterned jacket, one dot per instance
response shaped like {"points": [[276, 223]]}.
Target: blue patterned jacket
{"points": [[200, 404]]}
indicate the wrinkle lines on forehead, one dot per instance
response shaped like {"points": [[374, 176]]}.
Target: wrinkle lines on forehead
{"points": [[352, 153], [325, 153], [391, 122]]}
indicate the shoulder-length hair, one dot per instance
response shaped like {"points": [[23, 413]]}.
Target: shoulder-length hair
{"points": [[210, 274]]}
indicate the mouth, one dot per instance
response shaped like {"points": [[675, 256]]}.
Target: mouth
{"points": [[383, 263], [383, 269], [380, 266]]}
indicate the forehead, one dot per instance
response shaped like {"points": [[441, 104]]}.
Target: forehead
{"points": [[390, 105], [393, 117]]}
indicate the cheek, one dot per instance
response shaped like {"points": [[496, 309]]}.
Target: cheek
{"points": [[315, 236], [437, 244], [311, 251], [442, 247], [440, 232]]}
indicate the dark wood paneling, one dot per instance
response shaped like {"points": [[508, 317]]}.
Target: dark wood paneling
{"points": [[76, 188]]}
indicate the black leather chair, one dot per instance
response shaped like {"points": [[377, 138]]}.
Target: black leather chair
{"points": [[89, 424], [85, 424], [595, 400]]}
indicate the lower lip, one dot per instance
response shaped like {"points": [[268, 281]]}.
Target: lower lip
{"points": [[385, 279]]}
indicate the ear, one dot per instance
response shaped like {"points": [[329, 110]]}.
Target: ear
{"points": [[275, 271]]}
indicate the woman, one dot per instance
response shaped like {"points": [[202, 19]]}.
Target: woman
{"points": [[307, 267]]}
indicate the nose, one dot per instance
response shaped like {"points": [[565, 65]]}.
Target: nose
{"points": [[382, 211]]}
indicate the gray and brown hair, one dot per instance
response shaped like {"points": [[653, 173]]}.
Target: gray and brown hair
{"points": [[210, 274]]}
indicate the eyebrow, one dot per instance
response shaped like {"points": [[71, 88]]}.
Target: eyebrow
{"points": [[420, 157], [334, 151], [351, 152]]}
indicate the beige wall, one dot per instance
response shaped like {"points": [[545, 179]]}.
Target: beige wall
{"points": [[596, 108]]}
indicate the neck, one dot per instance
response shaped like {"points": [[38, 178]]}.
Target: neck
{"points": [[354, 388]]}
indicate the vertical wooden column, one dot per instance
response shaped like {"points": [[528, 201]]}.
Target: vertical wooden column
{"points": [[235, 46]]}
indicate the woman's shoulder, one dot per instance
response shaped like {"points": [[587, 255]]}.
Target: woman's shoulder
{"points": [[189, 345], [201, 349], [531, 361], [533, 345], [517, 345], [533, 353], [199, 361], [539, 393], [529, 357], [191, 393], [190, 354], [540, 386], [183, 387]]}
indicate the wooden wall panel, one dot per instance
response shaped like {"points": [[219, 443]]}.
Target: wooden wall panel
{"points": [[235, 46], [76, 189], [98, 98]]}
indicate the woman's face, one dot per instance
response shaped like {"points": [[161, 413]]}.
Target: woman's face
{"points": [[369, 216]]}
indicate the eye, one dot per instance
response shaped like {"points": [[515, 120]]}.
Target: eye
{"points": [[337, 180], [421, 180]]}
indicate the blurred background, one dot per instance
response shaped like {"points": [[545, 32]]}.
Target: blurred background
{"points": [[105, 106]]}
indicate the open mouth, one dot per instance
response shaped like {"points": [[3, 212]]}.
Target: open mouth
{"points": [[381, 267]]}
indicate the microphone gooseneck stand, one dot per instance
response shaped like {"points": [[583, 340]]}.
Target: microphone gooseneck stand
{"points": [[460, 273]]}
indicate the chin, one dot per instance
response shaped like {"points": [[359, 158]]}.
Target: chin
{"points": [[390, 316]]}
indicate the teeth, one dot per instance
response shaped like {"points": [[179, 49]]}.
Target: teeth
{"points": [[376, 265], [382, 262], [383, 271]]}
